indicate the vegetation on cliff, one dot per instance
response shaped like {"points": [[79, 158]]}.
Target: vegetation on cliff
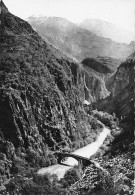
{"points": [[104, 65], [41, 110], [41, 99]]}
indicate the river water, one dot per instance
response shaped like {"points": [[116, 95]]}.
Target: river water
{"points": [[86, 151]]}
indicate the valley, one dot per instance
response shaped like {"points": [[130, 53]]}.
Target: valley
{"points": [[86, 151], [58, 83]]}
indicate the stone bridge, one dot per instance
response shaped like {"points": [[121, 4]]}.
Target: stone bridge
{"points": [[83, 161]]}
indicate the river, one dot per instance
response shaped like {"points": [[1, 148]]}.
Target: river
{"points": [[86, 151]]}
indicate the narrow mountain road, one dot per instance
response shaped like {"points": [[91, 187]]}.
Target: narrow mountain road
{"points": [[86, 151]]}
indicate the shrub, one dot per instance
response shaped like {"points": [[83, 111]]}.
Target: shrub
{"points": [[39, 185], [71, 176], [105, 118], [19, 166]]}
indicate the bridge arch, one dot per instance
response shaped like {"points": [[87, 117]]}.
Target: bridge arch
{"points": [[82, 161]]}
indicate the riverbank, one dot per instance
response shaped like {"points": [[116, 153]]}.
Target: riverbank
{"points": [[86, 151]]}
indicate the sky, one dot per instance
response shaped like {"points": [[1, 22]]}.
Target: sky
{"points": [[120, 12]]}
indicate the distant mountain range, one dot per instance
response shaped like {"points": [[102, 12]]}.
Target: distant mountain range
{"points": [[75, 41], [108, 30]]}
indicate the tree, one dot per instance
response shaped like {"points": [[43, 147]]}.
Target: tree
{"points": [[70, 177]]}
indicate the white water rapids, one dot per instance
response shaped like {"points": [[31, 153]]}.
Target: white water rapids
{"points": [[86, 151]]}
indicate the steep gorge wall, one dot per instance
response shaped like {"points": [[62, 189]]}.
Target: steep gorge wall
{"points": [[41, 95], [96, 72], [94, 86], [121, 87]]}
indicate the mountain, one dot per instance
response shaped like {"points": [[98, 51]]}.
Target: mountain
{"points": [[42, 95], [75, 41], [132, 56], [132, 45], [108, 30]]}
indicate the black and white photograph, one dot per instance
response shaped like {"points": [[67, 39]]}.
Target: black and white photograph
{"points": [[67, 72]]}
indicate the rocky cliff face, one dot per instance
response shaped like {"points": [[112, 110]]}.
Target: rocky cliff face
{"points": [[97, 72], [76, 41], [94, 86], [121, 87], [41, 95], [38, 88]]}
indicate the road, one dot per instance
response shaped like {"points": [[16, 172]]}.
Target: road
{"points": [[86, 151]]}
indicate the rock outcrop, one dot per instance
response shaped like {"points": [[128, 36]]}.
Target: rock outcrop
{"points": [[97, 72], [121, 100]]}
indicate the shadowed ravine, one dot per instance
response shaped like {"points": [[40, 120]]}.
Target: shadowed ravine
{"points": [[86, 151]]}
